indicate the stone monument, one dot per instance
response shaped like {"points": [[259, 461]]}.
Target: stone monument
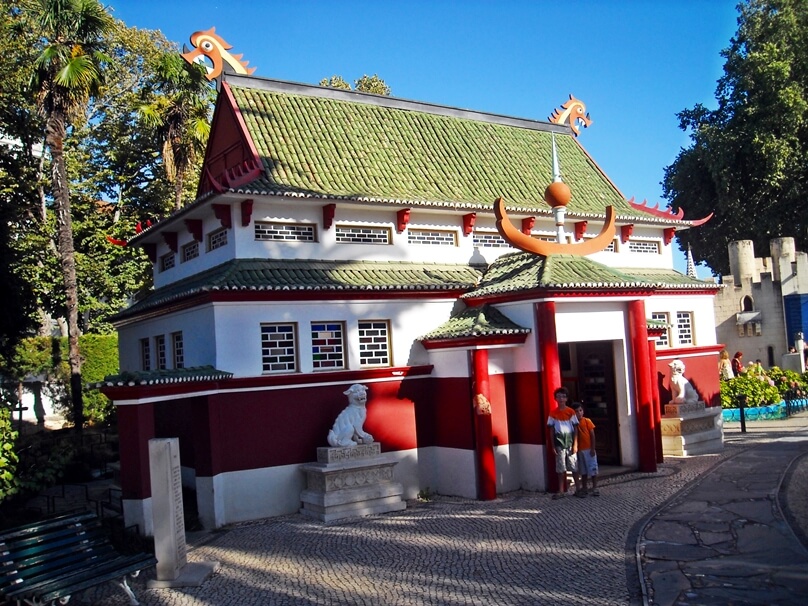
{"points": [[173, 569], [351, 477], [688, 426]]}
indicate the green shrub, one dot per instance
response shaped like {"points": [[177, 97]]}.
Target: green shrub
{"points": [[756, 387], [8, 456], [790, 384]]}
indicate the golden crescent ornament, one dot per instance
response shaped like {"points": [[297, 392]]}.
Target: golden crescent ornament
{"points": [[517, 239]]}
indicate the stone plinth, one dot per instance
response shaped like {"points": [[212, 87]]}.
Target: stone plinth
{"points": [[692, 429], [349, 482]]}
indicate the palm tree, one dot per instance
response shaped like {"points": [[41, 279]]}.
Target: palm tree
{"points": [[67, 72], [180, 112]]}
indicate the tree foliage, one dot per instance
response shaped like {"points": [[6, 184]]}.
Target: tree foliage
{"points": [[748, 159], [366, 84]]}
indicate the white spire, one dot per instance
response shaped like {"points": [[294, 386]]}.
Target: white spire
{"points": [[556, 167], [691, 267]]}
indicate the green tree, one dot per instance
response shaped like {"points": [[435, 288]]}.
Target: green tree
{"points": [[179, 109], [67, 72], [747, 159], [366, 84]]}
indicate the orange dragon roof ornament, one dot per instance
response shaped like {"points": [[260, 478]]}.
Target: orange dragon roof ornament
{"points": [[208, 44], [666, 214], [572, 112], [557, 195]]}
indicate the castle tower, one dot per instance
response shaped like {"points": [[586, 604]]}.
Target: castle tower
{"points": [[784, 253], [742, 261]]}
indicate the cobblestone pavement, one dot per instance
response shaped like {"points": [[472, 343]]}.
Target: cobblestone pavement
{"points": [[521, 549]]}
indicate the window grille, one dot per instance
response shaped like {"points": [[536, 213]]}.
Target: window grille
{"points": [[278, 348], [327, 345], [145, 354], [217, 239], [190, 251], [179, 351], [374, 343], [684, 328], [160, 346], [167, 262], [432, 236], [347, 234], [664, 339], [285, 232], [644, 247]]}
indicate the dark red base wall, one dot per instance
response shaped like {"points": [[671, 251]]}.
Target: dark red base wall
{"points": [[254, 429]]}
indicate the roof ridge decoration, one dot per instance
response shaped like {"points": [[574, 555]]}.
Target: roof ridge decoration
{"points": [[666, 214], [557, 195], [207, 43], [573, 111]]}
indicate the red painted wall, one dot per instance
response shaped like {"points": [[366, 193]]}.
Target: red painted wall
{"points": [[701, 371], [525, 419]]}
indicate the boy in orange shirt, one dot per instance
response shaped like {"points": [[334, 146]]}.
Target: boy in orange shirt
{"points": [[587, 455], [563, 423]]}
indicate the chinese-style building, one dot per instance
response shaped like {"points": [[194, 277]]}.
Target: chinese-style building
{"points": [[340, 237]]}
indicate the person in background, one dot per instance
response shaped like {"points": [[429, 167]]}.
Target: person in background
{"points": [[725, 371], [737, 363]]}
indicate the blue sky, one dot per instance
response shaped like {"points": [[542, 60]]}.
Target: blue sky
{"points": [[635, 63]]}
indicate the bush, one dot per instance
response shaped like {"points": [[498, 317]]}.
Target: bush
{"points": [[8, 456], [753, 385], [790, 384]]}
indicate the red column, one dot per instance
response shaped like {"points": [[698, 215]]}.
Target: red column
{"points": [[646, 432], [657, 404], [550, 380], [137, 424], [484, 442]]}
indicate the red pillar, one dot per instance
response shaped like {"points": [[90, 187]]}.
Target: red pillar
{"points": [[646, 432], [550, 380], [484, 442], [657, 404], [137, 423]]}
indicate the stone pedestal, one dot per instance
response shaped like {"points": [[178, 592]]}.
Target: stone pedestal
{"points": [[692, 429], [350, 482]]}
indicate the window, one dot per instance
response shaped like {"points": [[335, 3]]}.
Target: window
{"points": [[190, 251], [347, 234], [327, 345], [747, 304], [664, 340], [145, 354], [644, 247], [374, 343], [278, 348], [217, 239], [432, 236], [288, 232], [488, 239], [167, 261], [179, 352], [160, 346], [684, 328]]}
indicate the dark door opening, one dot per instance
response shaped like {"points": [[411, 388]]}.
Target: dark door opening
{"points": [[596, 388]]}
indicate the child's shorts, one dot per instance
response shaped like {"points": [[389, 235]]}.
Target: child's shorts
{"points": [[566, 461], [588, 463]]}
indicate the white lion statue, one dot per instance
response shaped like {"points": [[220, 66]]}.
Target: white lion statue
{"points": [[347, 430], [682, 392]]}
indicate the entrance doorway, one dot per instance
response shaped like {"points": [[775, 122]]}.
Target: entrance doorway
{"points": [[595, 387]]}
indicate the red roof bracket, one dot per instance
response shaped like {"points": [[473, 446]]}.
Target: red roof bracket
{"points": [[580, 230], [402, 219], [667, 234], [527, 225], [246, 212], [170, 238], [222, 212], [195, 228], [468, 223], [329, 210], [625, 232]]}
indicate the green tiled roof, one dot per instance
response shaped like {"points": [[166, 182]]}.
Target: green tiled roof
{"points": [[476, 322], [323, 143], [153, 377], [304, 275], [523, 271]]}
